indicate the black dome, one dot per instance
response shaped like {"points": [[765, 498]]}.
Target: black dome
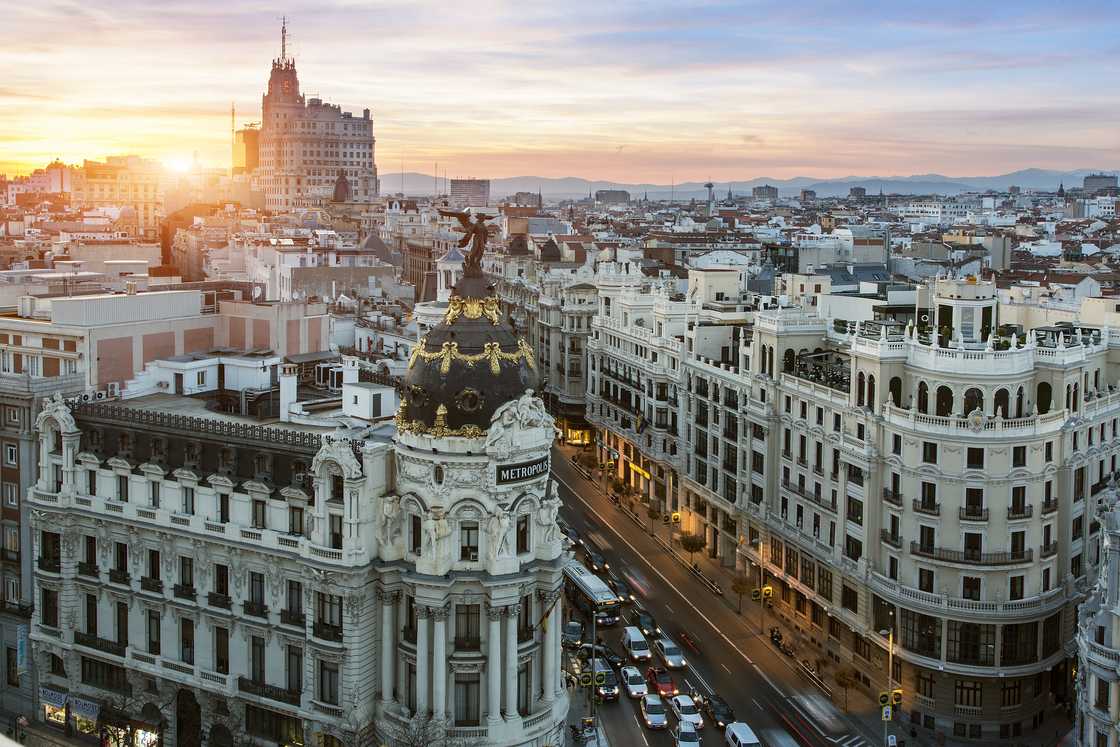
{"points": [[465, 368]]}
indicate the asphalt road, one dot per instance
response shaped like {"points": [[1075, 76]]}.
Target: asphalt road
{"points": [[730, 659]]}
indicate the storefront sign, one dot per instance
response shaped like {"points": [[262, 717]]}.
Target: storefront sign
{"points": [[639, 470], [84, 713], [54, 706], [522, 471], [22, 649]]}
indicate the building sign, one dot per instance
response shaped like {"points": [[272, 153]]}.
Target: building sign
{"points": [[639, 470], [21, 649], [522, 471]]}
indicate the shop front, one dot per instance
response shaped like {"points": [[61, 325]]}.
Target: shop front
{"points": [[53, 702], [118, 730], [83, 719]]}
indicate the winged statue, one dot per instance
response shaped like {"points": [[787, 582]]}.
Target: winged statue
{"points": [[475, 235]]}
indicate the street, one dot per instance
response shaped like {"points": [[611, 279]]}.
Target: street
{"points": [[762, 686]]}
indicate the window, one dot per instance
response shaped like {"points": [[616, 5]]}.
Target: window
{"points": [[12, 414], [91, 481], [11, 455], [200, 378], [1019, 456], [1049, 451], [223, 508], [975, 458], [929, 452], [925, 685], [221, 650], [467, 630], [1011, 693], [970, 587], [925, 580], [524, 690], [335, 526], [415, 535], [824, 583], [188, 501], [256, 658], [11, 662], [221, 579], [328, 682], [896, 444], [256, 587], [849, 597], [153, 564], [91, 614], [122, 488], [153, 493], [468, 540], [122, 623], [329, 609], [11, 495], [258, 514], [295, 668], [49, 599], [1016, 591], [968, 693], [153, 632], [522, 534], [295, 597], [186, 640], [273, 726], [853, 548], [467, 699], [295, 520], [971, 643]]}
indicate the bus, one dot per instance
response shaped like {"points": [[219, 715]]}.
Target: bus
{"points": [[590, 594]]}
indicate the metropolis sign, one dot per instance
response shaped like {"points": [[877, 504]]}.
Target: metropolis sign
{"points": [[522, 471]]}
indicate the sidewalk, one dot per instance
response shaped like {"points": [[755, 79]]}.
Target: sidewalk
{"points": [[577, 709]]}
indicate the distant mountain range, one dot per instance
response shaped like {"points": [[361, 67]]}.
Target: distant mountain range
{"points": [[918, 184]]}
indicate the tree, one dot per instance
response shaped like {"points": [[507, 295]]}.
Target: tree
{"points": [[692, 544], [653, 514], [845, 680], [741, 585]]}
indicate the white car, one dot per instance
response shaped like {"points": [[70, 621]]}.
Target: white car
{"points": [[685, 709], [670, 653], [634, 682], [653, 712], [686, 735]]}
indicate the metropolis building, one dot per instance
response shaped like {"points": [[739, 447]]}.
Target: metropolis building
{"points": [[206, 576], [931, 476]]}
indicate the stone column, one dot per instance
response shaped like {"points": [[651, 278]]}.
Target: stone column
{"points": [[493, 663], [439, 663], [551, 647], [422, 660], [512, 612], [388, 645]]}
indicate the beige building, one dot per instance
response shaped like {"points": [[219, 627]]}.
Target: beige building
{"points": [[122, 182]]}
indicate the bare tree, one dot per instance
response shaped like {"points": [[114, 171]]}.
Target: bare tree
{"points": [[692, 544], [741, 585]]}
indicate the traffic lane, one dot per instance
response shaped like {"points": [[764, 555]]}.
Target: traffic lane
{"points": [[742, 685]]}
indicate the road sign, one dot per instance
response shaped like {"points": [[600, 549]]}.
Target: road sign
{"points": [[886, 713], [676, 517]]}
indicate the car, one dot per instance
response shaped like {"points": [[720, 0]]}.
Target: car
{"points": [[661, 682], [634, 682], [653, 712], [596, 562], [670, 653], [684, 708], [571, 636], [621, 588], [587, 650], [607, 689], [686, 735], [643, 620], [738, 734], [717, 710]]}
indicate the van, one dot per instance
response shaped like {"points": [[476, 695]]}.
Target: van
{"points": [[606, 684], [739, 734], [635, 644]]}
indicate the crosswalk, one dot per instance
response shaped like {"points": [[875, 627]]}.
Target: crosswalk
{"points": [[851, 740]]}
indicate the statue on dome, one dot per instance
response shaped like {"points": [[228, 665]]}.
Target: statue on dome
{"points": [[475, 235]]}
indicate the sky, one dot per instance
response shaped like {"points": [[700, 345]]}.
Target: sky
{"points": [[625, 90]]}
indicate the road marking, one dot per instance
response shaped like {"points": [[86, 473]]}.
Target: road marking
{"points": [[757, 704], [640, 729], [699, 614], [725, 667]]}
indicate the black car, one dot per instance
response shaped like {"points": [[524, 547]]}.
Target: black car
{"points": [[597, 562], [644, 621], [587, 651], [717, 710], [621, 588], [570, 533]]}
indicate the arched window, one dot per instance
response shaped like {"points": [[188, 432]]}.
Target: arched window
{"points": [[1069, 397], [1019, 402], [788, 361], [871, 391], [1076, 397], [944, 401], [859, 389], [923, 397], [973, 399], [895, 388], [1043, 395], [1002, 405]]}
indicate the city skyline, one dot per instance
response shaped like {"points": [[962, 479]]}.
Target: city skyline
{"points": [[651, 93]]}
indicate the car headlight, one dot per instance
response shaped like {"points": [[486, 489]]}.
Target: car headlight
{"points": [[683, 662]]}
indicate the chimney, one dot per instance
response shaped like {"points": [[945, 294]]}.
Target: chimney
{"points": [[130, 287], [289, 380]]}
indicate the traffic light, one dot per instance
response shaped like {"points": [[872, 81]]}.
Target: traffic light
{"points": [[896, 697], [676, 517], [884, 698], [600, 678], [767, 591], [585, 679], [756, 594]]}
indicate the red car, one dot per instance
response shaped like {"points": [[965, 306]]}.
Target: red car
{"points": [[661, 682]]}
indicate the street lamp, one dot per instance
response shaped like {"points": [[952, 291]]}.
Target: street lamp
{"points": [[757, 544], [889, 634]]}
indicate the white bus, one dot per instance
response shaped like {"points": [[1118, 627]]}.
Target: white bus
{"points": [[590, 594]]}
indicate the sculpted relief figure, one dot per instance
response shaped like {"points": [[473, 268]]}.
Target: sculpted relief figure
{"points": [[436, 528], [498, 531], [390, 519], [546, 514]]}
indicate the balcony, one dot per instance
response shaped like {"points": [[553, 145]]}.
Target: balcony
{"points": [[153, 585], [50, 564], [973, 513], [88, 569], [929, 508], [214, 599], [271, 692], [292, 617], [971, 557], [255, 609], [1049, 507], [1048, 551], [327, 632], [893, 497], [893, 540], [101, 644], [117, 576], [184, 592], [1019, 512]]}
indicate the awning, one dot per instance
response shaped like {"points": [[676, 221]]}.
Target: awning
{"points": [[52, 697], [85, 708]]}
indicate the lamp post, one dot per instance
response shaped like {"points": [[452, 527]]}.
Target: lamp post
{"points": [[890, 675], [757, 543]]}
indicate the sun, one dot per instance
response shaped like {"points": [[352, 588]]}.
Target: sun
{"points": [[181, 164]]}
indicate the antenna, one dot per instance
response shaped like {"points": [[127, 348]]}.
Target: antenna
{"points": [[284, 38]]}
